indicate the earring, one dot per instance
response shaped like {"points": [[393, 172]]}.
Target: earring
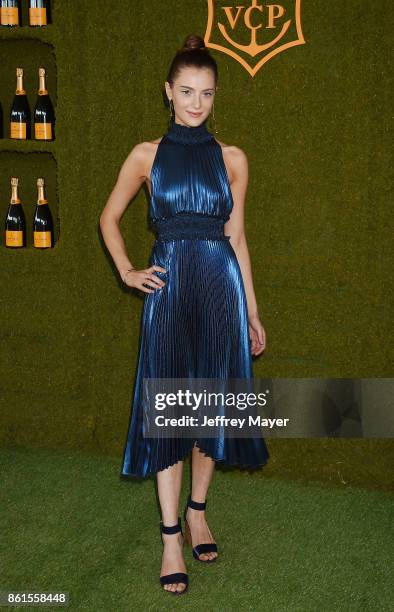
{"points": [[172, 111], [213, 118]]}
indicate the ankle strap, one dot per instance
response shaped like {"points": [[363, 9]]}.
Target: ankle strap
{"points": [[173, 529], [196, 505]]}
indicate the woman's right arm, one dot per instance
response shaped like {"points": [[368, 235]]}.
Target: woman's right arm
{"points": [[131, 176]]}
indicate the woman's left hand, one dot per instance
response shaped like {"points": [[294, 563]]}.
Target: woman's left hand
{"points": [[257, 335]]}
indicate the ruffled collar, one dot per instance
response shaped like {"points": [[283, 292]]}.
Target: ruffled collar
{"points": [[189, 135]]}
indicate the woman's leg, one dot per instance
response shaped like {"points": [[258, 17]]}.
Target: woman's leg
{"points": [[202, 471], [169, 482]]}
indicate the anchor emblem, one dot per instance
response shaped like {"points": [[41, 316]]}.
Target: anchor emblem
{"points": [[226, 25]]}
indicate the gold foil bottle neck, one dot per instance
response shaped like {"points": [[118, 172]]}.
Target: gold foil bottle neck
{"points": [[42, 89], [14, 191], [40, 187], [19, 82]]}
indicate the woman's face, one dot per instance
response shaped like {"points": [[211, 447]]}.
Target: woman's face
{"points": [[192, 94]]}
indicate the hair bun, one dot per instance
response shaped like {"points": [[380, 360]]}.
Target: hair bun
{"points": [[194, 42], [193, 53]]}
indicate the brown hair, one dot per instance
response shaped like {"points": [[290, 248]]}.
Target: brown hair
{"points": [[193, 53]]}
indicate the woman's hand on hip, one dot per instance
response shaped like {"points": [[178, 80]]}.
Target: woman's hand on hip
{"points": [[144, 279]]}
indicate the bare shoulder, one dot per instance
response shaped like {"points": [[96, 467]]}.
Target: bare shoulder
{"points": [[235, 160], [142, 155]]}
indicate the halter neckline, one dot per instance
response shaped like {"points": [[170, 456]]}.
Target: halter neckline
{"points": [[189, 135]]}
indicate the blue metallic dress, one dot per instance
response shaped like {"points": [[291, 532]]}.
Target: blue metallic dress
{"points": [[197, 324]]}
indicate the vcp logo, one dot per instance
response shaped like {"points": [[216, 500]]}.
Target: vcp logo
{"points": [[253, 30]]}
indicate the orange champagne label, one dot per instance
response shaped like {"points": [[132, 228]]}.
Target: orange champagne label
{"points": [[42, 239], [43, 131], [14, 238], [38, 16], [18, 130], [9, 16]]}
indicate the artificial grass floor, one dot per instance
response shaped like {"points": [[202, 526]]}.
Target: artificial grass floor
{"points": [[70, 524]]}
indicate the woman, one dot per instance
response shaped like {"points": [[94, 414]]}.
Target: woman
{"points": [[200, 316]]}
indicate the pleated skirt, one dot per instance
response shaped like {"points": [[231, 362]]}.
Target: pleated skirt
{"points": [[195, 326]]}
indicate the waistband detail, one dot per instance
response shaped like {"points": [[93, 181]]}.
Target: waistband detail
{"points": [[189, 227]]}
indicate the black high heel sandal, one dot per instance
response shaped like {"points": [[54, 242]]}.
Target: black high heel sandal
{"points": [[177, 576], [200, 548]]}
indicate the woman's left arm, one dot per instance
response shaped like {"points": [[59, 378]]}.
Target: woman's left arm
{"points": [[238, 171]]}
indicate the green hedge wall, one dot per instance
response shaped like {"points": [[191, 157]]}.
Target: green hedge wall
{"points": [[314, 124]]}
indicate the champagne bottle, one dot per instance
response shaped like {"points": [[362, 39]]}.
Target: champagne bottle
{"points": [[10, 12], [38, 12], [42, 223], [15, 224], [20, 110], [44, 116]]}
